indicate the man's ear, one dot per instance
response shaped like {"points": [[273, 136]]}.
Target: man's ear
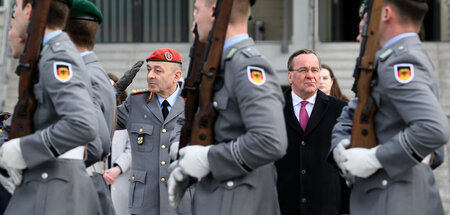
{"points": [[177, 75], [290, 77], [28, 10], [386, 14], [213, 8]]}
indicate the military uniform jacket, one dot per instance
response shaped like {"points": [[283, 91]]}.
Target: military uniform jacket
{"points": [[410, 124], [307, 182], [105, 101], [64, 119], [149, 137], [250, 135]]}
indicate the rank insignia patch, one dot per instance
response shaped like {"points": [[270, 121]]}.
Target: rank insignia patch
{"points": [[404, 73], [62, 71], [256, 75]]}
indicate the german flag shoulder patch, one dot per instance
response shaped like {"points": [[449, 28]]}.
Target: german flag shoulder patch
{"points": [[256, 75]]}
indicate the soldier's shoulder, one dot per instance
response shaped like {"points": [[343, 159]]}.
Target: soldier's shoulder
{"points": [[140, 91], [399, 51], [243, 53]]}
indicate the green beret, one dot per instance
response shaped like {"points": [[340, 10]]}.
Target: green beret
{"points": [[362, 8], [85, 10]]}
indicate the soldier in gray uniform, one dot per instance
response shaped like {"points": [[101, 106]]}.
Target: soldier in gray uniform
{"points": [[82, 27], [394, 177], [150, 116], [54, 176], [236, 175]]}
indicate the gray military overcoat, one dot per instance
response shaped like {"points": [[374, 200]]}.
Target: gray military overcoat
{"points": [[105, 102], [64, 119], [149, 137], [104, 99], [250, 135], [410, 124]]}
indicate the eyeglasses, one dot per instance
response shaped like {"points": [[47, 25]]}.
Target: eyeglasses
{"points": [[304, 70]]}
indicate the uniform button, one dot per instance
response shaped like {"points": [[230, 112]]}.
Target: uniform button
{"points": [[163, 180], [303, 200], [164, 130], [163, 163], [303, 171], [303, 143], [215, 104], [57, 44], [163, 147], [140, 130], [132, 178], [44, 175], [145, 116], [384, 183], [230, 183]]}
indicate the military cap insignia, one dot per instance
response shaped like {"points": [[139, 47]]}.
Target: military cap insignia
{"points": [[62, 71], [168, 56], [404, 73], [256, 75]]}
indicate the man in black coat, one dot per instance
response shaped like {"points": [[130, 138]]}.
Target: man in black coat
{"points": [[307, 182]]}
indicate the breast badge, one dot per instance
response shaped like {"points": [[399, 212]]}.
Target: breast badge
{"points": [[140, 139], [404, 73]]}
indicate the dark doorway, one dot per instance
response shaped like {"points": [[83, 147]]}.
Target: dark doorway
{"points": [[345, 20]]}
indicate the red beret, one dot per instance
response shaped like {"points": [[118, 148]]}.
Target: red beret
{"points": [[165, 55]]}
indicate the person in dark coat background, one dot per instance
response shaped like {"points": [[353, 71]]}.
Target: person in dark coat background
{"points": [[307, 182]]}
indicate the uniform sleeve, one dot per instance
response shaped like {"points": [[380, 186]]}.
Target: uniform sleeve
{"points": [[343, 127], [122, 114], [261, 110], [76, 124], [100, 146], [418, 106]]}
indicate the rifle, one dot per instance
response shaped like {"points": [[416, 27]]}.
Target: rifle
{"points": [[22, 120], [191, 89], [363, 129], [199, 130]]}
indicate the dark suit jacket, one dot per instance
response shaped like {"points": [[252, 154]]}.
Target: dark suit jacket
{"points": [[307, 182]]}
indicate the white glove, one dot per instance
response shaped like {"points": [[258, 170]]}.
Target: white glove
{"points": [[14, 174], [338, 151], [11, 154], [194, 161], [427, 159], [173, 150], [361, 162], [7, 183], [177, 184]]}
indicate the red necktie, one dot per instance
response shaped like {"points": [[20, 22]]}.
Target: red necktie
{"points": [[303, 115]]}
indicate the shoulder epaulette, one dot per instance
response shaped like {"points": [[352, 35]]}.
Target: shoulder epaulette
{"points": [[57, 47], [250, 52], [385, 55], [401, 50], [134, 92]]}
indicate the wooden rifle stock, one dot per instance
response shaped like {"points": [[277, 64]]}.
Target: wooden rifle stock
{"points": [[191, 88], [22, 121], [202, 130], [363, 129]]}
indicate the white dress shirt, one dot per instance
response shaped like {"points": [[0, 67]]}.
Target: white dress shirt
{"points": [[296, 102]]}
